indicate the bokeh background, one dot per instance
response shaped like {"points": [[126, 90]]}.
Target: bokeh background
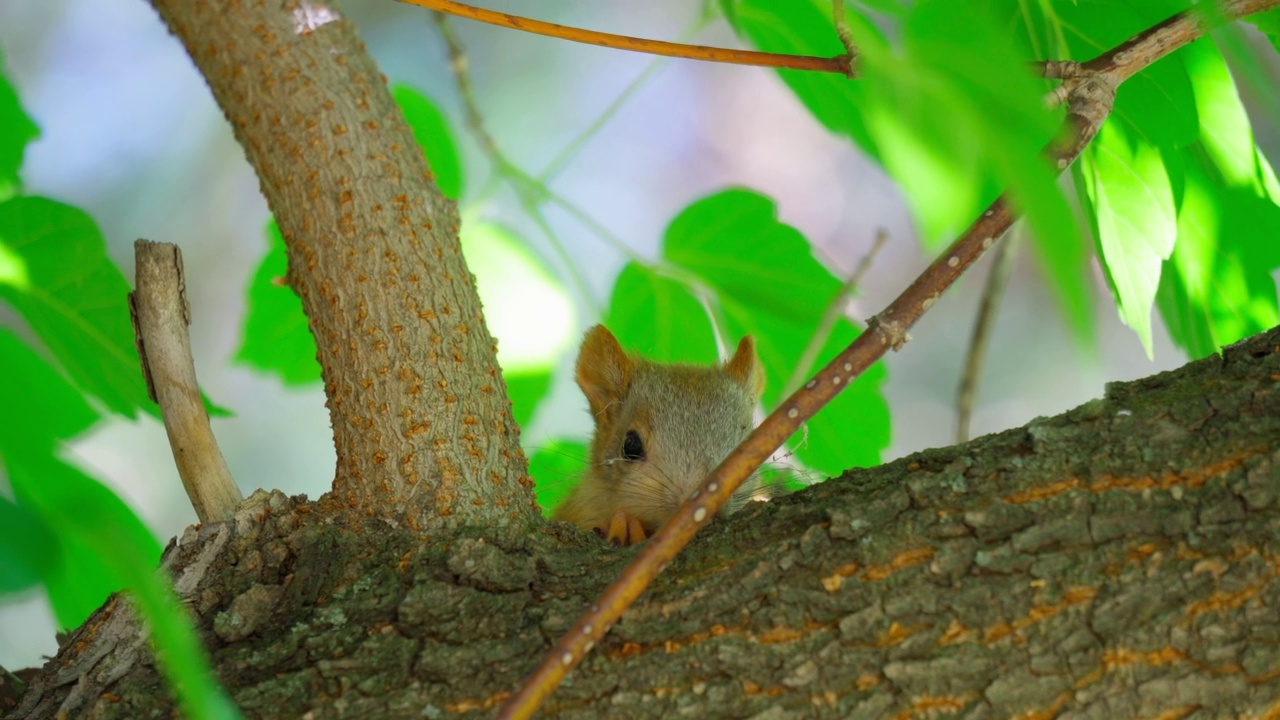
{"points": [[131, 133]]}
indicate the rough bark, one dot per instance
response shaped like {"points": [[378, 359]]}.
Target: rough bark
{"points": [[421, 420], [1120, 560]]}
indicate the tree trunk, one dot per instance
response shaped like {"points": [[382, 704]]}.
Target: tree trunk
{"points": [[1119, 560], [421, 420]]}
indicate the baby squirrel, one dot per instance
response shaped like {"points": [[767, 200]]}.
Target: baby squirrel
{"points": [[660, 430]]}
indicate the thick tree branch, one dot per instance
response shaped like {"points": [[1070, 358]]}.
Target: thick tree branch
{"points": [[1120, 560], [421, 420], [1090, 97]]}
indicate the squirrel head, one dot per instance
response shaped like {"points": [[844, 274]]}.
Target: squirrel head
{"points": [[660, 429]]}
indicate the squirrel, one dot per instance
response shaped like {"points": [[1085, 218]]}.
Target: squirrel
{"points": [[659, 431]]}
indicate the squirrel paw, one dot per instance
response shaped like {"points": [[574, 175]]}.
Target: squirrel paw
{"points": [[624, 530]]}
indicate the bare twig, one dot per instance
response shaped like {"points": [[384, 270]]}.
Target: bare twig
{"points": [[1001, 264], [838, 64], [530, 191], [160, 318], [1090, 97], [835, 311]]}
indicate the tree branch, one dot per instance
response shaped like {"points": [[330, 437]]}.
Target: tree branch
{"points": [[1119, 560], [1090, 97], [160, 318], [840, 64]]}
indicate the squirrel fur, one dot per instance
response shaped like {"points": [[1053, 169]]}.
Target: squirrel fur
{"points": [[659, 431]]}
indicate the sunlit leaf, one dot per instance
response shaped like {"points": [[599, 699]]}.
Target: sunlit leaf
{"points": [[73, 297], [431, 130], [659, 318], [1225, 131], [1135, 220], [16, 131], [1217, 287], [954, 128]]}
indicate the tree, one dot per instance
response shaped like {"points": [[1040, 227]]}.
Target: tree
{"points": [[426, 579]]}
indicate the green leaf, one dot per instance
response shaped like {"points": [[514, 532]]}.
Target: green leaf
{"points": [[55, 272], [954, 128], [1217, 287], [1158, 104], [526, 391], [854, 428], [951, 126], [766, 283], [276, 337], [106, 541], [28, 550], [1225, 131], [1269, 24], [40, 406], [80, 509], [431, 130], [556, 468], [1135, 221], [16, 131], [659, 318]]}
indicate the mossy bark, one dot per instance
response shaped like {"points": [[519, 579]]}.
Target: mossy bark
{"points": [[1120, 560]]}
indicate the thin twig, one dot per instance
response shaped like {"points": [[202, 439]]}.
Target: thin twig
{"points": [[838, 64], [526, 187], [562, 158], [834, 311], [569, 150], [841, 21], [992, 292], [1091, 98], [160, 318]]}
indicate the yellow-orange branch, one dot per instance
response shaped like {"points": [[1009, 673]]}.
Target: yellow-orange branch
{"points": [[837, 64]]}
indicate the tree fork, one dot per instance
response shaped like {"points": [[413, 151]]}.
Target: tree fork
{"points": [[421, 420]]}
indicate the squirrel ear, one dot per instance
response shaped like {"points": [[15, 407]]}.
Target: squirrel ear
{"points": [[745, 367], [603, 370]]}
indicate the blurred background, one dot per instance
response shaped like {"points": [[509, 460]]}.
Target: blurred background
{"points": [[131, 134]]}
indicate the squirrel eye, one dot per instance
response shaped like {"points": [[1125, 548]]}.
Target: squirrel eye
{"points": [[632, 448]]}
